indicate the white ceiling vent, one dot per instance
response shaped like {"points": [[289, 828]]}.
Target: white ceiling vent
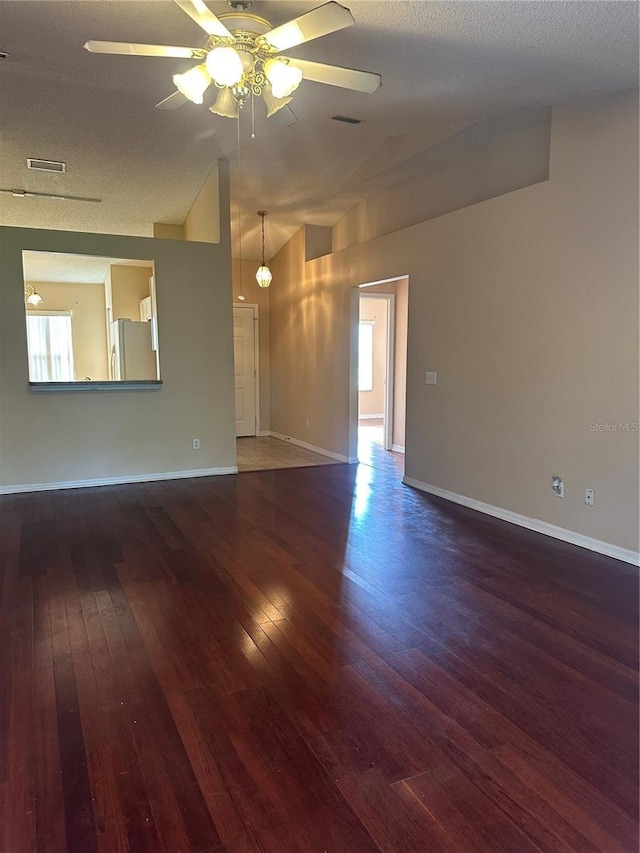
{"points": [[46, 165]]}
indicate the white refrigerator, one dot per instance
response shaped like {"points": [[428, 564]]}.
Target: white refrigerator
{"points": [[131, 354]]}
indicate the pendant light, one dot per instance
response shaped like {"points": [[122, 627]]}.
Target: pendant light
{"points": [[263, 274]]}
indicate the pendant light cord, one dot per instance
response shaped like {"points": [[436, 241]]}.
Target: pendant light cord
{"points": [[241, 296]]}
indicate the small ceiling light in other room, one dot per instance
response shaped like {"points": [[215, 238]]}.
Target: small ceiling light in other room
{"points": [[263, 274], [193, 83], [31, 296]]}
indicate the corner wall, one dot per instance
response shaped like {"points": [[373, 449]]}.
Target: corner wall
{"points": [[49, 438], [527, 307]]}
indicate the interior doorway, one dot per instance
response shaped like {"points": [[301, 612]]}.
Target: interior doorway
{"points": [[382, 318], [245, 354]]}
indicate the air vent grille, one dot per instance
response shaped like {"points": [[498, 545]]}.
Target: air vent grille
{"points": [[46, 165], [347, 119]]}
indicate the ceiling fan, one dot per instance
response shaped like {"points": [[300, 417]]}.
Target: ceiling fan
{"points": [[242, 58], [56, 196]]}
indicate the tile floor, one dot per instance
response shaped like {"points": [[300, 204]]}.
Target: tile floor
{"points": [[264, 453], [267, 454]]}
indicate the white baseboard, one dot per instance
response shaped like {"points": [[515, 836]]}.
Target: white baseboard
{"points": [[264, 433], [399, 448], [313, 447], [371, 417], [116, 481], [535, 524]]}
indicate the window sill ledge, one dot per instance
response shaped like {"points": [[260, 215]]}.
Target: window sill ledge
{"points": [[131, 385]]}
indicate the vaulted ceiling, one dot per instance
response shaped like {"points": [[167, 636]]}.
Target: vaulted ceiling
{"points": [[443, 64]]}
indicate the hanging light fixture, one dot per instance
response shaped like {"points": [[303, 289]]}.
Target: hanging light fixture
{"points": [[263, 274], [31, 296]]}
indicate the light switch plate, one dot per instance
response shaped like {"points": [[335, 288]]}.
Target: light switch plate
{"points": [[431, 378]]}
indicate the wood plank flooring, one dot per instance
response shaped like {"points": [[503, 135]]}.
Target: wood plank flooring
{"points": [[308, 660]]}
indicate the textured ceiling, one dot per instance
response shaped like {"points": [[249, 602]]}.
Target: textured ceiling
{"points": [[77, 269], [443, 64]]}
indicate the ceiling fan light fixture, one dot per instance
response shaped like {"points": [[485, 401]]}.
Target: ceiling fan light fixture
{"points": [[273, 104], [193, 83], [284, 77], [225, 66], [225, 105]]}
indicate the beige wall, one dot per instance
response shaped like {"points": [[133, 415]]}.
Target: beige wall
{"points": [[202, 223], [527, 307], [203, 220], [87, 305], [166, 231], [372, 402], [464, 169], [257, 296], [58, 437], [128, 286]]}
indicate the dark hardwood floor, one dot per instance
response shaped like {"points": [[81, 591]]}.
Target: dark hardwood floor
{"points": [[308, 660]]}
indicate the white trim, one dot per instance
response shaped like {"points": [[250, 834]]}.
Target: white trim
{"points": [[371, 417], [535, 524], [256, 364], [399, 448], [315, 449], [116, 481], [264, 433]]}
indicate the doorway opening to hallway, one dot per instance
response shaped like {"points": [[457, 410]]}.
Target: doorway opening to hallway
{"points": [[381, 374]]}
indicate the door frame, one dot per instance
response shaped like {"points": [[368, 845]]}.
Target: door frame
{"points": [[256, 358], [390, 345]]}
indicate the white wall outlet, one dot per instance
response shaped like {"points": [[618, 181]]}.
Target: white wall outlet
{"points": [[306, 422], [557, 484], [431, 378], [589, 497], [196, 444]]}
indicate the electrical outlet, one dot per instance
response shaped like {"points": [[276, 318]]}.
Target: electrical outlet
{"points": [[589, 497], [306, 422], [431, 378], [196, 444], [557, 484]]}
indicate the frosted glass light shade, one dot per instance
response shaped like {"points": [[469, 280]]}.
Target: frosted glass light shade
{"points": [[273, 104], [263, 276], [225, 66], [284, 78], [193, 83], [225, 105]]}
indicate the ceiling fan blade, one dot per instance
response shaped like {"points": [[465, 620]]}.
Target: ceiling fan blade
{"points": [[285, 117], [124, 48], [172, 102], [28, 194], [318, 22], [199, 12], [334, 75]]}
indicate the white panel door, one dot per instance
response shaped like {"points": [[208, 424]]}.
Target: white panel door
{"points": [[245, 370]]}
